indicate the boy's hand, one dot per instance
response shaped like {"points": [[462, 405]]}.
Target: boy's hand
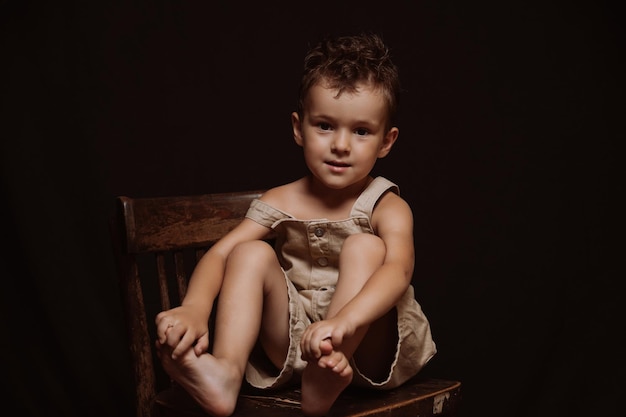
{"points": [[326, 347], [322, 336], [182, 328]]}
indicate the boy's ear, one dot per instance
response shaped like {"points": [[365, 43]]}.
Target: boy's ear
{"points": [[388, 141], [296, 125]]}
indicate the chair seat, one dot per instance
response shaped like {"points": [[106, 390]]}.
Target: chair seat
{"points": [[421, 397]]}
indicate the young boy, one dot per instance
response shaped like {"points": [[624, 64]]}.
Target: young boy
{"points": [[331, 303]]}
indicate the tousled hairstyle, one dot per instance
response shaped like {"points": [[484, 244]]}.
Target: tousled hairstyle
{"points": [[343, 62]]}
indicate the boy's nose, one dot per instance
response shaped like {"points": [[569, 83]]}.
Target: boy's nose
{"points": [[341, 142]]}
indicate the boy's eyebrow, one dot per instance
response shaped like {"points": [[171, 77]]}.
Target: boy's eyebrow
{"points": [[319, 115], [358, 121]]}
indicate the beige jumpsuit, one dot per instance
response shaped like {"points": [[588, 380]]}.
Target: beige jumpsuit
{"points": [[308, 251]]}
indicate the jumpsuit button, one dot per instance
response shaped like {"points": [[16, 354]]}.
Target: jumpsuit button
{"points": [[319, 232], [322, 261]]}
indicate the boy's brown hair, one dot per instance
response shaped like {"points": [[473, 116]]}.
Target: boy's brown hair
{"points": [[344, 61]]}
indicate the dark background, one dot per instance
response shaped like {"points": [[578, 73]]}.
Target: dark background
{"points": [[507, 154]]}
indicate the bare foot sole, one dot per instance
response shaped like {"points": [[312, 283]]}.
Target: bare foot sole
{"points": [[214, 384], [322, 385]]}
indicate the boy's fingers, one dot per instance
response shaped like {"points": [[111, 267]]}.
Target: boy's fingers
{"points": [[326, 346]]}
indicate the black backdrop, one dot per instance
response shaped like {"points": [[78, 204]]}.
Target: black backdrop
{"points": [[508, 138]]}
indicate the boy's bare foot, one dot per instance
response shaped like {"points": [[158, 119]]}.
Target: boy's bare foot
{"points": [[213, 383], [322, 382]]}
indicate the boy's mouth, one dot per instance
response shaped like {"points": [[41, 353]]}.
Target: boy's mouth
{"points": [[338, 164]]}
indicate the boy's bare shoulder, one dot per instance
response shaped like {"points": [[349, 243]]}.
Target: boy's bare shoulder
{"points": [[391, 201], [278, 196], [391, 207]]}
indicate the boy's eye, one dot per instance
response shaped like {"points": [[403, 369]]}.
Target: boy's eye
{"points": [[324, 126], [361, 132]]}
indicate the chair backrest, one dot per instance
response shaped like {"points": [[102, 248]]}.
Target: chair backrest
{"points": [[157, 243]]}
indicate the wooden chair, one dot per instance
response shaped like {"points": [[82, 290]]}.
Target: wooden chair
{"points": [[157, 242]]}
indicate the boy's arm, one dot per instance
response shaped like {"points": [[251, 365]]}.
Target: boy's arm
{"points": [[393, 223], [187, 325]]}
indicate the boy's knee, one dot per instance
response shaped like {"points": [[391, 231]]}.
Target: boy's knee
{"points": [[254, 249], [361, 244]]}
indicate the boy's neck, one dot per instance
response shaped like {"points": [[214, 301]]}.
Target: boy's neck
{"points": [[332, 197]]}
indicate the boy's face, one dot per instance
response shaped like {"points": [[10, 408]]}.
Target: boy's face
{"points": [[343, 136]]}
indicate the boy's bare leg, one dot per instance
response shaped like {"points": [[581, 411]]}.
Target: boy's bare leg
{"points": [[253, 295], [323, 382]]}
